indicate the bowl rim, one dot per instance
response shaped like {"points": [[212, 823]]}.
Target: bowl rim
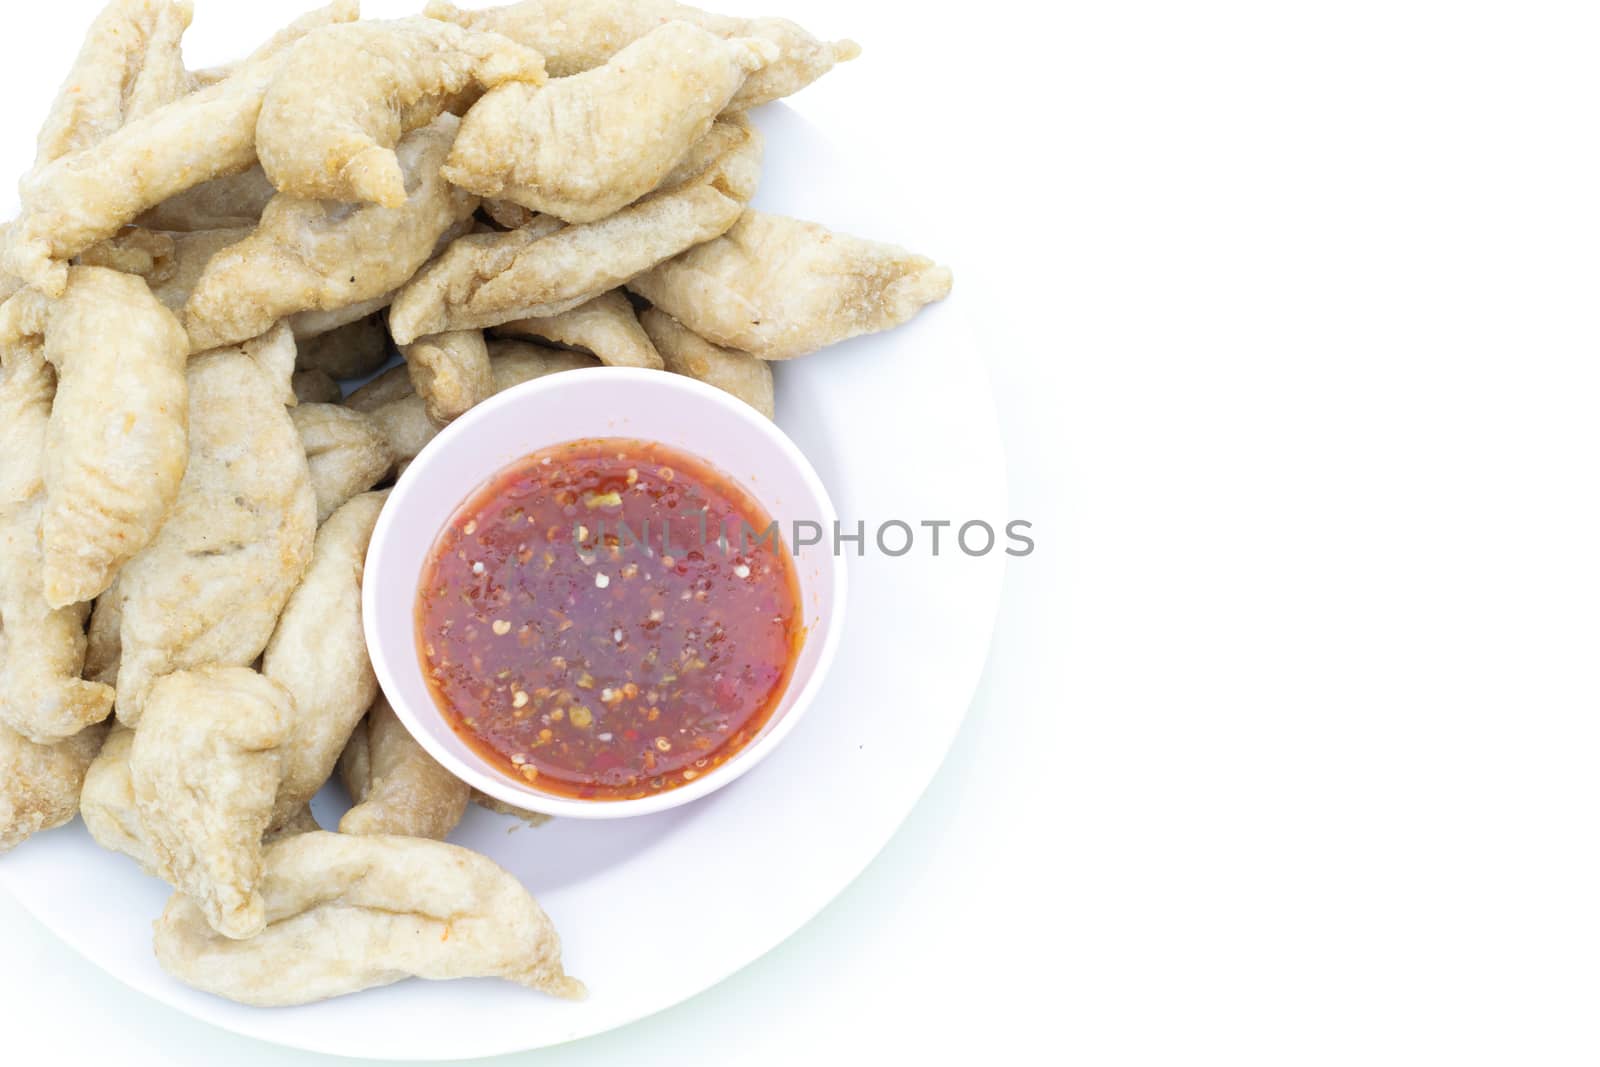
{"points": [[829, 626]]}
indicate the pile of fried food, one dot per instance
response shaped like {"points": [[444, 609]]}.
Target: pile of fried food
{"points": [[187, 496]]}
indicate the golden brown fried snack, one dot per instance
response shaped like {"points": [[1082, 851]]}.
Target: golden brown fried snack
{"points": [[230, 203], [205, 767], [778, 287], [544, 269], [310, 255], [275, 352], [404, 420], [738, 373], [116, 443], [353, 350], [347, 95], [42, 693], [450, 371], [606, 326], [319, 654], [578, 35], [316, 387], [131, 63], [587, 146], [39, 784], [396, 786], [88, 196], [150, 254], [347, 452], [173, 281], [350, 913], [209, 589], [109, 809]]}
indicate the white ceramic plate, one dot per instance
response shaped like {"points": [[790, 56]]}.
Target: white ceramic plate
{"points": [[654, 910]]}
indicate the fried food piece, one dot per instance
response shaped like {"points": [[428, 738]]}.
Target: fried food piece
{"points": [[405, 423], [450, 372], [310, 255], [116, 441], [347, 452], [499, 807], [315, 387], [778, 287], [230, 203], [544, 269], [330, 124], [738, 373], [173, 282], [39, 784], [587, 146], [148, 253], [605, 326], [353, 350], [110, 811], [310, 325], [42, 693], [205, 767], [579, 35], [393, 384], [319, 654], [303, 821], [276, 353], [89, 195], [209, 589], [350, 913], [505, 215], [396, 786], [131, 63]]}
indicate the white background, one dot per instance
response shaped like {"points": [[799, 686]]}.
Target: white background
{"points": [[1287, 750]]}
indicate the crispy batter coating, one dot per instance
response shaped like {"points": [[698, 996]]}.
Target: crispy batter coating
{"points": [[778, 287], [544, 269], [310, 255], [109, 809], [738, 373], [88, 196], [316, 387], [209, 589], [396, 786], [39, 784], [275, 352], [150, 254], [233, 202], [350, 913], [205, 765], [450, 371], [587, 146], [116, 443], [131, 63], [319, 654], [42, 693], [404, 420], [578, 35], [353, 350], [174, 281], [346, 450], [330, 124], [606, 326]]}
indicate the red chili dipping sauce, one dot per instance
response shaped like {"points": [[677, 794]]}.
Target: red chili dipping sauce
{"points": [[609, 619]]}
